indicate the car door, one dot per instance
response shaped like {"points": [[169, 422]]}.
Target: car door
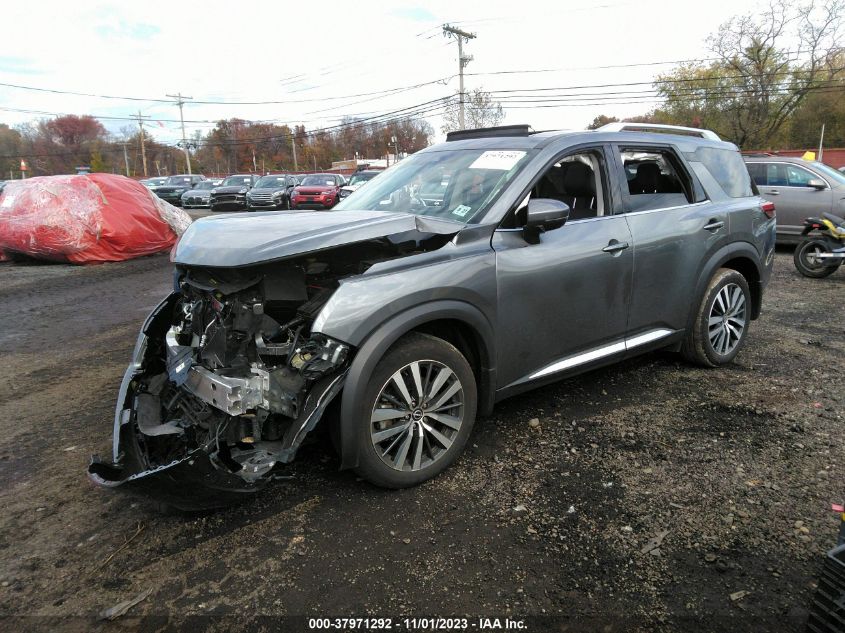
{"points": [[786, 186], [562, 302], [672, 233]]}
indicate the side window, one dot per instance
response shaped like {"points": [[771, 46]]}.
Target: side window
{"points": [[798, 176], [655, 179], [758, 173], [776, 175], [579, 180], [728, 170]]}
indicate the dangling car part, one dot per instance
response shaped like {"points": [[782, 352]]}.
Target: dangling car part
{"points": [[228, 376], [469, 272], [822, 250]]}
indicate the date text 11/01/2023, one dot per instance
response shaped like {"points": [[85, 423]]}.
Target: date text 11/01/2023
{"points": [[417, 624]]}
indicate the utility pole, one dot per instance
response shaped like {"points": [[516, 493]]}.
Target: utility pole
{"points": [[463, 60], [396, 147], [293, 147], [141, 118], [180, 101], [125, 158]]}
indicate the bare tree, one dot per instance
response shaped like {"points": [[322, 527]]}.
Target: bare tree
{"points": [[757, 81], [481, 111]]}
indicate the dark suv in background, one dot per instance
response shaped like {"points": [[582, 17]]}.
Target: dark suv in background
{"points": [[271, 192], [800, 189], [230, 195], [547, 254], [175, 186]]}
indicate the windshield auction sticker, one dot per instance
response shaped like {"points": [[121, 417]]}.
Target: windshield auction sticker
{"points": [[500, 160]]}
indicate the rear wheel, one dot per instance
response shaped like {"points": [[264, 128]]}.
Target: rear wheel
{"points": [[721, 321], [418, 412], [808, 262]]}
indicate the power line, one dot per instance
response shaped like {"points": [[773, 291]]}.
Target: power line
{"points": [[211, 102]]}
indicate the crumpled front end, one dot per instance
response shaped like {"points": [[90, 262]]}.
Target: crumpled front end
{"points": [[226, 381]]}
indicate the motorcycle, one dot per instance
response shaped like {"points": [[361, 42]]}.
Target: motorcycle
{"points": [[822, 250]]}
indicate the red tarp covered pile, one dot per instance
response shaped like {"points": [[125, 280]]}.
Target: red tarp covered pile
{"points": [[86, 219]]}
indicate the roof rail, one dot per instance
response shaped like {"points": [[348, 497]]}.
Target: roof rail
{"points": [[485, 132], [622, 126]]}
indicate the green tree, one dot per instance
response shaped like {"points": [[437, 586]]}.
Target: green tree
{"points": [[601, 120], [755, 84]]}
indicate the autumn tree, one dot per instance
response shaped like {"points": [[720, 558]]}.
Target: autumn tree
{"points": [[10, 150], [756, 83], [600, 121]]}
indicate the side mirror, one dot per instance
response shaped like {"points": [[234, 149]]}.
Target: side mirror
{"points": [[816, 183], [544, 214], [547, 213]]}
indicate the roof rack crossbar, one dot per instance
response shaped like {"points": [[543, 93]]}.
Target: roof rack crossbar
{"points": [[622, 126], [486, 132]]}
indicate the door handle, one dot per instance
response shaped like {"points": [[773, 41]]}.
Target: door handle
{"points": [[714, 225], [774, 192], [615, 246]]}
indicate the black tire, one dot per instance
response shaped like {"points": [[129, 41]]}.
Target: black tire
{"points": [[807, 265], [698, 346], [432, 353]]}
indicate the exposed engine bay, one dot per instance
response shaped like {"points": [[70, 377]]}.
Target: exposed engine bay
{"points": [[227, 370]]}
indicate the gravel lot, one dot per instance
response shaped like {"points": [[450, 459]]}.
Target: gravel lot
{"points": [[651, 495]]}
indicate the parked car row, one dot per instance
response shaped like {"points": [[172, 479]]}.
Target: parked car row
{"points": [[249, 192]]}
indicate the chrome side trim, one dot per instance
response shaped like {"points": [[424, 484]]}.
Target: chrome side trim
{"points": [[580, 359], [679, 206], [648, 337], [599, 353]]}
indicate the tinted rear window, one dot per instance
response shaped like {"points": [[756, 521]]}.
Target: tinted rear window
{"points": [[727, 168]]}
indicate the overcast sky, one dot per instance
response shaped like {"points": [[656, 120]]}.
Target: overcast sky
{"points": [[313, 56]]}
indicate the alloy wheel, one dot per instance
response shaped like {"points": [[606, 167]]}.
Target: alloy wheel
{"points": [[727, 319], [417, 415]]}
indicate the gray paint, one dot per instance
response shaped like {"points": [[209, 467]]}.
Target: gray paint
{"points": [[794, 204], [232, 240], [540, 310]]}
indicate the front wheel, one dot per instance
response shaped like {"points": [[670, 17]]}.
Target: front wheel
{"points": [[808, 262], [721, 321], [417, 414]]}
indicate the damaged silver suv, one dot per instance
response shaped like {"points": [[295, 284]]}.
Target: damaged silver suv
{"points": [[479, 268]]}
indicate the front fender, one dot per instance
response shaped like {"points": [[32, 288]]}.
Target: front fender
{"points": [[372, 350]]}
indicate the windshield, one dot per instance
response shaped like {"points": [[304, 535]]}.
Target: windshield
{"points": [[458, 185], [179, 180], [318, 181], [270, 181], [830, 172], [358, 179], [233, 181], [205, 184]]}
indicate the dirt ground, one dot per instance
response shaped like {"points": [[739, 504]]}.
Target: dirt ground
{"points": [[731, 470]]}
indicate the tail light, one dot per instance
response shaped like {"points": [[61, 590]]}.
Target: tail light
{"points": [[768, 208]]}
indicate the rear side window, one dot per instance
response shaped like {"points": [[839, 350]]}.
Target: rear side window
{"points": [[655, 179], [728, 170]]}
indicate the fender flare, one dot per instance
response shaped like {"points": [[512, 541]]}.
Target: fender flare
{"points": [[722, 255], [379, 341]]}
